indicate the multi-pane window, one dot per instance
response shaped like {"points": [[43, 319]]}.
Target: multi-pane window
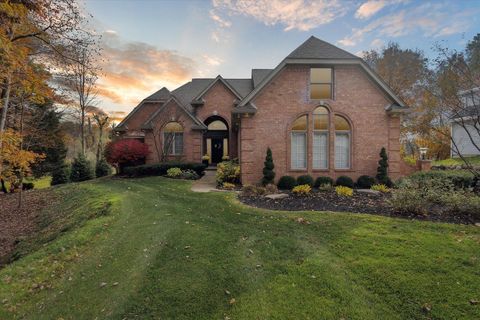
{"points": [[321, 83], [342, 143], [299, 143], [173, 138], [320, 138]]}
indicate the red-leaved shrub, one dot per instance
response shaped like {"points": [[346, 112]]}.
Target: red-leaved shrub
{"points": [[126, 152]]}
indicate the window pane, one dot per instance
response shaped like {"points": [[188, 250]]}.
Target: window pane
{"points": [[173, 127], [299, 150], [217, 125], [341, 123], [178, 142], [320, 75], [168, 138], [342, 150], [320, 150], [320, 91], [300, 124]]}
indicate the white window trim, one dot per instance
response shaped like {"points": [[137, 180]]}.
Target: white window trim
{"points": [[327, 149], [305, 134], [349, 134]]}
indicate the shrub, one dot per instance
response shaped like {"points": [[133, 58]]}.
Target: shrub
{"points": [[344, 181], [271, 188], [268, 173], [228, 186], [325, 187], [160, 169], [344, 191], [286, 183], [102, 168], [305, 179], [380, 187], [225, 158], [251, 191], [60, 174], [303, 189], [81, 169], [27, 186], [461, 179], [189, 175], [126, 152], [365, 182], [174, 172], [323, 181], [418, 198], [228, 171], [382, 170]]}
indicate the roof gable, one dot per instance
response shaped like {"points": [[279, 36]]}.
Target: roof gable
{"points": [[162, 94], [315, 48]]}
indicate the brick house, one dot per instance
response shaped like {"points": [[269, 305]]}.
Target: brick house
{"points": [[322, 111]]}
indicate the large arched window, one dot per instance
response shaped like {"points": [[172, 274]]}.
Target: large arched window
{"points": [[342, 142], [299, 143], [173, 138], [320, 138]]}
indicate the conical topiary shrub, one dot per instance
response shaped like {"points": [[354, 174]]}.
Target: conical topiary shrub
{"points": [[268, 173]]}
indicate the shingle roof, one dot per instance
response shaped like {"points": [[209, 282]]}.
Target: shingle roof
{"points": [[190, 90], [161, 94], [315, 48], [258, 75], [242, 86]]}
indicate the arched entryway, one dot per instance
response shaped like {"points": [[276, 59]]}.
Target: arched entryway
{"points": [[215, 139]]}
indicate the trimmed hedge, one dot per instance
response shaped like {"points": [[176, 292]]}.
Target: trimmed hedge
{"points": [[365, 182], [160, 169], [344, 181], [322, 181], [305, 179], [287, 183], [461, 179]]}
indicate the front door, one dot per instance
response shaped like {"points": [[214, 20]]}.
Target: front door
{"points": [[217, 150]]}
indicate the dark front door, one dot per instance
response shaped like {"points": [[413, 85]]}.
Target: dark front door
{"points": [[217, 150]]}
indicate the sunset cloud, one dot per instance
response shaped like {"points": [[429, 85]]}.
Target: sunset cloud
{"points": [[369, 8], [133, 70], [302, 15]]}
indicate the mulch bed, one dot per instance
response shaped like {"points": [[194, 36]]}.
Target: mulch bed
{"points": [[16, 223], [358, 203]]}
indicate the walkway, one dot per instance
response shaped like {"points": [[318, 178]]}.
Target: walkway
{"points": [[207, 183]]}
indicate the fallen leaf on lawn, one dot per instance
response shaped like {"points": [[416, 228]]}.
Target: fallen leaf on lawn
{"points": [[186, 247], [115, 284], [250, 250], [427, 307], [103, 284], [473, 301], [227, 292], [232, 301]]}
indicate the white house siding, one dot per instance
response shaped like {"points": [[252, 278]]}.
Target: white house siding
{"points": [[464, 144]]}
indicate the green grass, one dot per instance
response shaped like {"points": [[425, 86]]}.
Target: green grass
{"points": [[38, 183], [175, 253], [457, 161]]}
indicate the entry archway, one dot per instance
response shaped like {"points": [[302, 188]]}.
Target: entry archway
{"points": [[216, 138]]}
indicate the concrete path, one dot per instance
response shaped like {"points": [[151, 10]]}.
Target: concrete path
{"points": [[207, 183]]}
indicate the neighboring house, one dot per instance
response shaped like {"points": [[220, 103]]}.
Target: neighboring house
{"points": [[466, 125], [322, 111]]}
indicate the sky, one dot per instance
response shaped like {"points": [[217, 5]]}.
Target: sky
{"points": [[150, 44]]}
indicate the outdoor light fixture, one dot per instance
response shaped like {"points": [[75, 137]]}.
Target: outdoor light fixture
{"points": [[423, 153]]}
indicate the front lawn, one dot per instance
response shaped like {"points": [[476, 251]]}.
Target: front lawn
{"points": [[150, 248], [457, 161]]}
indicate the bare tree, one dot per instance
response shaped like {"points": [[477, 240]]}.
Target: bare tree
{"points": [[102, 120]]}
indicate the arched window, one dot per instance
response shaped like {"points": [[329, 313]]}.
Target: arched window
{"points": [[299, 143], [217, 125], [173, 138], [320, 138], [342, 142]]}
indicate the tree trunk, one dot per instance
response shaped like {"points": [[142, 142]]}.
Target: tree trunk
{"points": [[20, 192], [99, 146], [82, 131], [3, 119]]}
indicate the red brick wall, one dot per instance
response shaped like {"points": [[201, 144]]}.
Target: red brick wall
{"points": [[191, 138], [287, 97], [138, 118], [219, 101]]}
